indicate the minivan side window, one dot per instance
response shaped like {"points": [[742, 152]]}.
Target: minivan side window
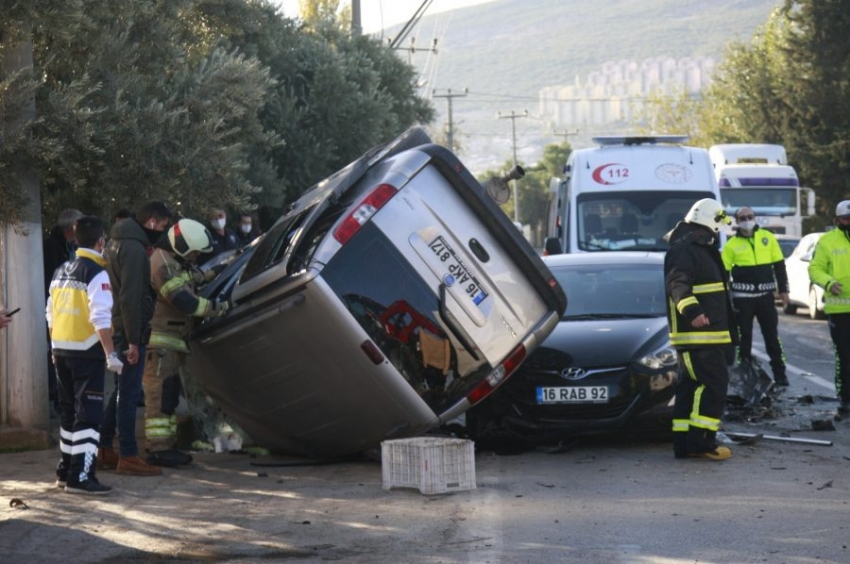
{"points": [[273, 247]]}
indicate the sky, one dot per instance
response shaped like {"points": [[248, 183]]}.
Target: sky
{"points": [[376, 15]]}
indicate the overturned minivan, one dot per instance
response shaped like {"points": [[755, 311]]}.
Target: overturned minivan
{"points": [[386, 301]]}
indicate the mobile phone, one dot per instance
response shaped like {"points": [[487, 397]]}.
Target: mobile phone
{"points": [[13, 312]]}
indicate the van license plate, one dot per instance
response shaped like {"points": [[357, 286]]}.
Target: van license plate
{"points": [[572, 394], [457, 275]]}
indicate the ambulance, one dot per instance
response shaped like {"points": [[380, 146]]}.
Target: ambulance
{"points": [[626, 193]]}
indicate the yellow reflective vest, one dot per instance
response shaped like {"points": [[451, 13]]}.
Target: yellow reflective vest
{"points": [[830, 264]]}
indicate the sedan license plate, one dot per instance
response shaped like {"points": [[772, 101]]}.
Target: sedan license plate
{"points": [[457, 272], [572, 394]]}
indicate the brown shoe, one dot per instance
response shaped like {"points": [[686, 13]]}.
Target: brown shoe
{"points": [[135, 466], [107, 459]]}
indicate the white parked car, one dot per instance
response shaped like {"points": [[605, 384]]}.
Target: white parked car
{"points": [[802, 292]]}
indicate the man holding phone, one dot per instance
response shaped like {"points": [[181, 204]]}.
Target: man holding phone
{"points": [[6, 317]]}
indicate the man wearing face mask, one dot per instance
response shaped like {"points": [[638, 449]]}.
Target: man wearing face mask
{"points": [[830, 269], [174, 277], [127, 262], [246, 232], [757, 269], [223, 239]]}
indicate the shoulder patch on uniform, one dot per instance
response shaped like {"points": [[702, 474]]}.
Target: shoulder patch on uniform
{"points": [[106, 287], [764, 241]]}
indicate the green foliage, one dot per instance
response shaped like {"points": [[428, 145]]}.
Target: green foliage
{"points": [[197, 102]]}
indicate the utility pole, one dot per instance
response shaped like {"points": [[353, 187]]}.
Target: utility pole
{"points": [[356, 27], [513, 116], [24, 416], [449, 97], [413, 49], [565, 134]]}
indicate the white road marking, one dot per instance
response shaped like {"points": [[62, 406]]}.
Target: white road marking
{"points": [[791, 369]]}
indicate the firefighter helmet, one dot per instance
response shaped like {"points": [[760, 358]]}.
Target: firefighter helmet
{"points": [[708, 212], [187, 235]]}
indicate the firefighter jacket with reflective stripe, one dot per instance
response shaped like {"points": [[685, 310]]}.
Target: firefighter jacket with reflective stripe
{"points": [[696, 283], [830, 264], [80, 303], [756, 264], [176, 301]]}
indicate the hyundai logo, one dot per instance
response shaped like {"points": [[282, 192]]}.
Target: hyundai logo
{"points": [[574, 373]]}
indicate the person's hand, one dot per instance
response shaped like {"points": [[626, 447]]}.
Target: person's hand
{"points": [[700, 321], [198, 275], [133, 354], [783, 296], [835, 289], [214, 271], [113, 363], [4, 319], [219, 309]]}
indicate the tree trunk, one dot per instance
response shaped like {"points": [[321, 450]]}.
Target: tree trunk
{"points": [[23, 344]]}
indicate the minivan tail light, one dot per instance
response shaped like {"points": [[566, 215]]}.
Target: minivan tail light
{"points": [[367, 207], [497, 376]]}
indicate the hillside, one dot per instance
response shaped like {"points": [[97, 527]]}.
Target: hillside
{"points": [[505, 51]]}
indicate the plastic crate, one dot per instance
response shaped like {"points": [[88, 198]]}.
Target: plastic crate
{"points": [[431, 464]]}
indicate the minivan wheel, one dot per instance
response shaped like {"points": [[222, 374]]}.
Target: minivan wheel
{"points": [[814, 312]]}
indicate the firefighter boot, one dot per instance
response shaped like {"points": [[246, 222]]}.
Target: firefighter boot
{"points": [[703, 444]]}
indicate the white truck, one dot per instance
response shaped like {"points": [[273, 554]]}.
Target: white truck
{"points": [[759, 176], [626, 194]]}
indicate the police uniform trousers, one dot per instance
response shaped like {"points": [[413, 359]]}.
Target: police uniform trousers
{"points": [[79, 386], [839, 330], [162, 387], [763, 309], [700, 399]]}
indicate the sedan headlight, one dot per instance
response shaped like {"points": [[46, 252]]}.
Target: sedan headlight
{"points": [[660, 359]]}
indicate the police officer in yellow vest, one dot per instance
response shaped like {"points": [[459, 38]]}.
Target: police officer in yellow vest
{"points": [[174, 277], [79, 316], [757, 269], [830, 269], [699, 312]]}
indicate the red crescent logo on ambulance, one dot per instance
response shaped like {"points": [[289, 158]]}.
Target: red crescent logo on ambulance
{"points": [[611, 173]]}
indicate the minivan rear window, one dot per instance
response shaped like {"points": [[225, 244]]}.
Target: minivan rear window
{"points": [[399, 311]]}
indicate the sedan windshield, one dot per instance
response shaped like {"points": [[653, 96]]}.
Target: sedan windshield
{"points": [[607, 291]]}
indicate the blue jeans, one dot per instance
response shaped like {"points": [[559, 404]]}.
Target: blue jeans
{"points": [[121, 408]]}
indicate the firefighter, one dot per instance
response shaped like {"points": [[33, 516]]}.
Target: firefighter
{"points": [[699, 312], [174, 277], [756, 265], [79, 317]]}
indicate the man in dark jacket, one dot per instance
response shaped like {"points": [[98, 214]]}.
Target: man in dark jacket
{"points": [[128, 264], [699, 312], [59, 247]]}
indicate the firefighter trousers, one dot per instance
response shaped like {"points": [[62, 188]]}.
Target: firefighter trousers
{"points": [[162, 386], [700, 399], [763, 309]]}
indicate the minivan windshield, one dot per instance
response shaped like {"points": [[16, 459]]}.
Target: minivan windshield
{"points": [[634, 220]]}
